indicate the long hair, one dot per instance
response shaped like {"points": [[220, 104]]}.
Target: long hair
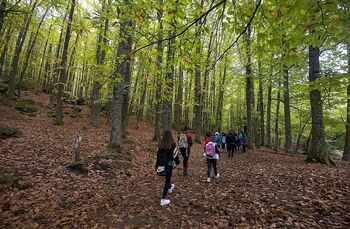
{"points": [[167, 140]]}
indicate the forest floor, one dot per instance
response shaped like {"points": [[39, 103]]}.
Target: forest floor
{"points": [[258, 189]]}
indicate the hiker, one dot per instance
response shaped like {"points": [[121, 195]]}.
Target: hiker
{"points": [[230, 141], [243, 140], [207, 138], [185, 142], [223, 141], [166, 155], [211, 152], [237, 142]]}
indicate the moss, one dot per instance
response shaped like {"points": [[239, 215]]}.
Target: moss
{"points": [[115, 154], [27, 106], [11, 178], [69, 98], [8, 132], [30, 84]]}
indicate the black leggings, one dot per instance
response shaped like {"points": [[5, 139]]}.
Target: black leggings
{"points": [[211, 162], [167, 183], [230, 149], [186, 155]]}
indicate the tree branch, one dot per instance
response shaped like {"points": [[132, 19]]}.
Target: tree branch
{"points": [[245, 29]]}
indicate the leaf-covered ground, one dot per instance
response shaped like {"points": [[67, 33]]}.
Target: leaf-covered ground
{"points": [[257, 189]]}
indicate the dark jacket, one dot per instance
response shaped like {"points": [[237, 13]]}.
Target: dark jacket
{"points": [[170, 156]]}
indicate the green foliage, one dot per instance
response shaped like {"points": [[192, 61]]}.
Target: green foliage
{"points": [[27, 106], [8, 132], [30, 84]]}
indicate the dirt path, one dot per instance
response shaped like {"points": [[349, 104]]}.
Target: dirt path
{"points": [[256, 189]]}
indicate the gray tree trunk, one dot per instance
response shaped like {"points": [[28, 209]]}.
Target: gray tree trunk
{"points": [[317, 151], [197, 109], [29, 52], [157, 128], [4, 53], [44, 55], [221, 97], [122, 70], [261, 108], [277, 143], [100, 58], [249, 91], [287, 122], [346, 153], [18, 50], [63, 70], [268, 116], [178, 100]]}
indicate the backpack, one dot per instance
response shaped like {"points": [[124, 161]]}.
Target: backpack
{"points": [[162, 163], [210, 150], [217, 139], [183, 143], [230, 139]]}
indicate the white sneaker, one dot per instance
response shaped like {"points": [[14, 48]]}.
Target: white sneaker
{"points": [[208, 179], [164, 202], [170, 190], [217, 175]]}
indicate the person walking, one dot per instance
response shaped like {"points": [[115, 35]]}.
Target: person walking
{"points": [[243, 140], [230, 141], [211, 152], [185, 142], [166, 155]]}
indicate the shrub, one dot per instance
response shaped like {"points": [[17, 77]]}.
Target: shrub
{"points": [[30, 84], [27, 106], [8, 132]]}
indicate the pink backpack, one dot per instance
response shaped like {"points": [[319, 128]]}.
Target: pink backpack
{"points": [[210, 150]]}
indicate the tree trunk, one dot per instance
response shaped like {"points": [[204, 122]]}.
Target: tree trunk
{"points": [[268, 115], [249, 92], [276, 145], [221, 97], [317, 151], [197, 119], [47, 71], [63, 70], [122, 70], [2, 13], [29, 52], [141, 105], [157, 128], [178, 100], [169, 84], [261, 108], [300, 134], [287, 122], [44, 54], [19, 45], [346, 153], [4, 53]]}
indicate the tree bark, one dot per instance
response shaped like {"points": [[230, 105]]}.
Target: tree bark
{"points": [[261, 108], [346, 153], [44, 54], [63, 70], [29, 52], [287, 122], [197, 119], [268, 115], [18, 50], [221, 97], [276, 145], [122, 70], [178, 100], [4, 53], [249, 91], [317, 151], [157, 128]]}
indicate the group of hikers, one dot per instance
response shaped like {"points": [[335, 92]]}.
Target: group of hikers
{"points": [[214, 146]]}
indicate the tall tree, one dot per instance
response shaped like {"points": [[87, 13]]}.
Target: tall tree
{"points": [[160, 73], [18, 50], [346, 153], [123, 71], [63, 70], [100, 59], [317, 150]]}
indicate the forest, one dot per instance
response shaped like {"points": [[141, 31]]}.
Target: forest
{"points": [[80, 78]]}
